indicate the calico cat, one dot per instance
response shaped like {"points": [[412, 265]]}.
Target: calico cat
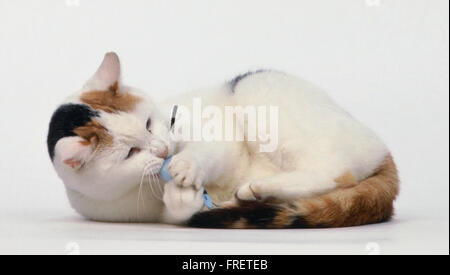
{"points": [[108, 141]]}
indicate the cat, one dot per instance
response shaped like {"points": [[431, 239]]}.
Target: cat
{"points": [[108, 141]]}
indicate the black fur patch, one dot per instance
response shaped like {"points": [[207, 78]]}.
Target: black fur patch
{"points": [[300, 222], [234, 82], [64, 121], [256, 214]]}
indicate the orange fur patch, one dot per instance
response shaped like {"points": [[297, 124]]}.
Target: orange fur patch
{"points": [[95, 134], [241, 223], [370, 201], [110, 101], [346, 181], [283, 218]]}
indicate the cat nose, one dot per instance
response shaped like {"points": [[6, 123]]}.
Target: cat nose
{"points": [[163, 153]]}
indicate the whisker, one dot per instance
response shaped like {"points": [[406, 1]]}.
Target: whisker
{"points": [[140, 195], [160, 187], [156, 180], [150, 186], [149, 178]]}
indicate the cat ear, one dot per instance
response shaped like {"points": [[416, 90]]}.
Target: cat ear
{"points": [[74, 151], [107, 75]]}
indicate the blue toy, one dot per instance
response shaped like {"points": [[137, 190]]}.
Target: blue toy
{"points": [[165, 175]]}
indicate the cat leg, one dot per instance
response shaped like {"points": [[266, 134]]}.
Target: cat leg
{"points": [[286, 186], [191, 169], [180, 203], [201, 162]]}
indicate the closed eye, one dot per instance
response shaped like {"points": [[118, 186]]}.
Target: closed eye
{"points": [[133, 151]]}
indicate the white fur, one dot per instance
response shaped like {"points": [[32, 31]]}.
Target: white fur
{"points": [[318, 142]]}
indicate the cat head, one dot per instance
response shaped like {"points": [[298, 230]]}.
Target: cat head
{"points": [[108, 137]]}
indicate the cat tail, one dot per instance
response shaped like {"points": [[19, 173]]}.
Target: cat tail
{"points": [[369, 201]]}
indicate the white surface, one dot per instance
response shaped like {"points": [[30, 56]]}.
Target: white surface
{"points": [[57, 234], [384, 61]]}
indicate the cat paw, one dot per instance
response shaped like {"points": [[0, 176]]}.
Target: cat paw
{"points": [[181, 202], [186, 172], [249, 192]]}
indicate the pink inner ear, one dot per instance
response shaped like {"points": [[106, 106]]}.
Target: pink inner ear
{"points": [[107, 74], [109, 71], [72, 152], [73, 163]]}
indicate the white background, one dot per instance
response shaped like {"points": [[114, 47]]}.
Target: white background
{"points": [[386, 61]]}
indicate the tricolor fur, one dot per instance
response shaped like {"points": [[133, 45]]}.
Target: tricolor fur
{"points": [[108, 142]]}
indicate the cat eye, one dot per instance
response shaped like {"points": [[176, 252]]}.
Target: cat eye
{"points": [[149, 124], [132, 152]]}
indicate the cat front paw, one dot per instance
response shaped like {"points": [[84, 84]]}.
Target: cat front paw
{"points": [[181, 202], [186, 172]]}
